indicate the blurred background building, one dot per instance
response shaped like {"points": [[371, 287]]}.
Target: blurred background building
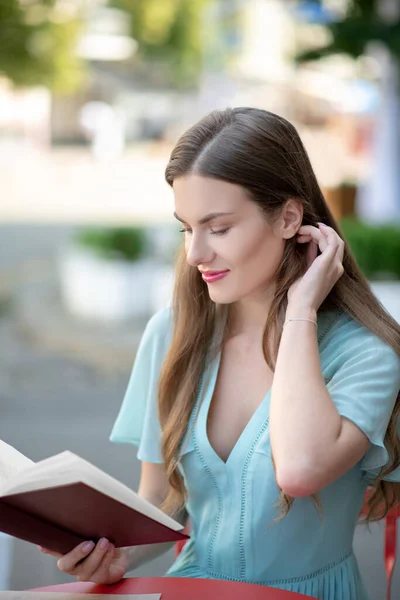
{"points": [[93, 95]]}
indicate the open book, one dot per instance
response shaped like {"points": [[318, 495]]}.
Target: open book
{"points": [[64, 500]]}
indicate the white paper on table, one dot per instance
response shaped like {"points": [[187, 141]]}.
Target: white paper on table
{"points": [[66, 596]]}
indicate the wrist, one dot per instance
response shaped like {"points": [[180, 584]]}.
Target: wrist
{"points": [[300, 312]]}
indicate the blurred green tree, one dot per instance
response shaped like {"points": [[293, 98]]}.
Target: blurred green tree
{"points": [[365, 24], [38, 44], [170, 32], [362, 24]]}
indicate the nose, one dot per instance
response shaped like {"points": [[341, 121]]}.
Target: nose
{"points": [[197, 251]]}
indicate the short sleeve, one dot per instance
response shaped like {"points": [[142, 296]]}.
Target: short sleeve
{"points": [[364, 389], [137, 421]]}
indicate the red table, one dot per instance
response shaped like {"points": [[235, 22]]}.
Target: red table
{"points": [[180, 588]]}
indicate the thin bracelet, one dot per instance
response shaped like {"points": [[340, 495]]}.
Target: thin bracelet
{"points": [[310, 320]]}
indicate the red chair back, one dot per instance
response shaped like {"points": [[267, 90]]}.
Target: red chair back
{"points": [[179, 545], [389, 542]]}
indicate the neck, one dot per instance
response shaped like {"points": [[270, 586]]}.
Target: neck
{"points": [[248, 316]]}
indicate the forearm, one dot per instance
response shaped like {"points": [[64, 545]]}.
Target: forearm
{"points": [[304, 422]]}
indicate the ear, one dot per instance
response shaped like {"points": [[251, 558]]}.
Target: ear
{"points": [[290, 219]]}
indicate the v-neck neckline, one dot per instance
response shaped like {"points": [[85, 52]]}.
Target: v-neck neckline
{"points": [[262, 409], [214, 370]]}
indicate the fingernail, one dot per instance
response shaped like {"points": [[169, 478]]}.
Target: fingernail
{"points": [[88, 546], [60, 564], [103, 544], [322, 224]]}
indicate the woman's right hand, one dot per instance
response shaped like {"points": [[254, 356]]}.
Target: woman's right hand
{"points": [[99, 563]]}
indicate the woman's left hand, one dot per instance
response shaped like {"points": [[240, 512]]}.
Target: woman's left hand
{"points": [[323, 271]]}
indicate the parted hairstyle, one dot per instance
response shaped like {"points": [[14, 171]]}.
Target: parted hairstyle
{"points": [[263, 154]]}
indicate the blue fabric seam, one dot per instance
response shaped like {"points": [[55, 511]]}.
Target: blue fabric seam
{"points": [[328, 327], [243, 498], [216, 575], [219, 500]]}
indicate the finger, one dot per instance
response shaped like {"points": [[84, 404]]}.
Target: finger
{"points": [[308, 230], [316, 235], [340, 251], [330, 234], [332, 240], [117, 572], [85, 570], [102, 571], [50, 552], [68, 562], [303, 239]]}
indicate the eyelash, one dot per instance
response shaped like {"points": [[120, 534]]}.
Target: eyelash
{"points": [[219, 232]]}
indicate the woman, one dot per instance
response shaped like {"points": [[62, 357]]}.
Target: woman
{"points": [[264, 402]]}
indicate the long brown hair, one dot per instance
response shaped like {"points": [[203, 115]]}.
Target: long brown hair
{"points": [[262, 153]]}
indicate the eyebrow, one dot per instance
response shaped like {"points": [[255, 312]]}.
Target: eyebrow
{"points": [[207, 218]]}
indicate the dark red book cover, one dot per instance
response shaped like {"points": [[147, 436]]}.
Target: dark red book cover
{"points": [[61, 517]]}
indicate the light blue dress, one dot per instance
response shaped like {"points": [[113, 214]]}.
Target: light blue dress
{"points": [[232, 505]]}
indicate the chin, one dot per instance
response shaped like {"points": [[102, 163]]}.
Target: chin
{"points": [[223, 298]]}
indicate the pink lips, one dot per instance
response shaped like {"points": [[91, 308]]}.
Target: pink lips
{"points": [[211, 276]]}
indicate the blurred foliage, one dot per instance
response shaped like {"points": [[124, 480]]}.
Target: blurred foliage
{"points": [[126, 243], [168, 31], [361, 25], [37, 44], [224, 42], [376, 248]]}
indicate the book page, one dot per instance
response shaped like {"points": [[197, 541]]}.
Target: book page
{"points": [[64, 596], [11, 462]]}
